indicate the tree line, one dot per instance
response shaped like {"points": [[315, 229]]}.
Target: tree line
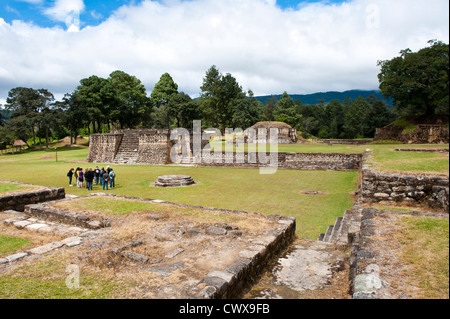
{"points": [[120, 101]]}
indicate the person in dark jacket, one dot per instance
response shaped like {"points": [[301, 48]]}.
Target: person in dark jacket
{"points": [[102, 172], [70, 175], [89, 176], [105, 180]]}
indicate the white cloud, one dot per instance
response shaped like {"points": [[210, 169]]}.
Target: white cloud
{"points": [[317, 47]]}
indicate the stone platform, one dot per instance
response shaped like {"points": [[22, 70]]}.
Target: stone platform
{"points": [[174, 181]]}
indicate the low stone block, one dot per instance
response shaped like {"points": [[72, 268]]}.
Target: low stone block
{"points": [[95, 224], [70, 240], [247, 254], [46, 229], [22, 224], [135, 256], [235, 269], [225, 275], [216, 231], [16, 257], [36, 226], [217, 282], [174, 253], [11, 221], [195, 231], [74, 243], [46, 248]]}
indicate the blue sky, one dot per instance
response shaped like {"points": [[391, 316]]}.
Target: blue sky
{"points": [[269, 46], [94, 11]]}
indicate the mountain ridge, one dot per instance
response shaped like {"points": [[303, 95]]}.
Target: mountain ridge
{"points": [[314, 98]]}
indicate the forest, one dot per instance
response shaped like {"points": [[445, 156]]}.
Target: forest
{"points": [[417, 82]]}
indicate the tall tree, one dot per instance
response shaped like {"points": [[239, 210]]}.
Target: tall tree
{"points": [[269, 109], [164, 90], [335, 116], [379, 116], [246, 111], [98, 98], [132, 103], [29, 108], [287, 111], [220, 94], [183, 110], [418, 82], [355, 116]]}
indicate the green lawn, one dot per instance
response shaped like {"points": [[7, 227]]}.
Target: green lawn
{"points": [[8, 187], [388, 160], [336, 148], [8, 245], [47, 279], [229, 188], [425, 243], [232, 188]]}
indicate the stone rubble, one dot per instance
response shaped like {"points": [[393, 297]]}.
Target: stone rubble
{"points": [[21, 221]]}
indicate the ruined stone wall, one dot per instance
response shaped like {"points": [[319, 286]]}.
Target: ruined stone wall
{"points": [[322, 161], [103, 147], [294, 161], [344, 142], [18, 200], [380, 187], [423, 134], [153, 148]]}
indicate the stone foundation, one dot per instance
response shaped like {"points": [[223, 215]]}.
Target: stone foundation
{"points": [[378, 187], [152, 147], [294, 161], [44, 211], [375, 265], [254, 250], [343, 142], [18, 200], [422, 134]]}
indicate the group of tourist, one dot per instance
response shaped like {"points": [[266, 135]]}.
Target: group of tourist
{"points": [[89, 177]]}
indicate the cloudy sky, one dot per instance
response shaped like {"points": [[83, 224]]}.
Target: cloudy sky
{"points": [[269, 46]]}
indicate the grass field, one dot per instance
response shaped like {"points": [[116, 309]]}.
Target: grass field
{"points": [[9, 245], [425, 241], [425, 249], [8, 188], [232, 188]]}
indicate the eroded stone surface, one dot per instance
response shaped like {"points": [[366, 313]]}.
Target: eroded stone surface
{"points": [[174, 181]]}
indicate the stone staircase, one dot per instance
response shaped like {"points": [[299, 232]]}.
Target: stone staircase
{"points": [[345, 230], [128, 149]]}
